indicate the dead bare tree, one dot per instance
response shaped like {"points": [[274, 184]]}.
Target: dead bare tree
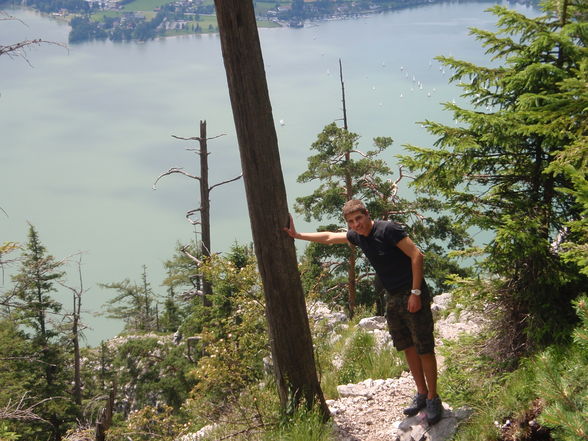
{"points": [[76, 331], [351, 272], [291, 341], [205, 190]]}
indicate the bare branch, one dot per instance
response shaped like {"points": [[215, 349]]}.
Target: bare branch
{"points": [[190, 294], [402, 175], [172, 171], [359, 152], [30, 359], [6, 16], [337, 159], [191, 213], [19, 49], [16, 49], [20, 411], [186, 253], [197, 138], [226, 182], [193, 138], [217, 136]]}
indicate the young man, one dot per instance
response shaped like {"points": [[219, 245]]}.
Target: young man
{"points": [[399, 264]]}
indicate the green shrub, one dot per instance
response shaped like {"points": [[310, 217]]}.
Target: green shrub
{"points": [[353, 356], [550, 387], [304, 425], [147, 424], [357, 358], [563, 381], [6, 434]]}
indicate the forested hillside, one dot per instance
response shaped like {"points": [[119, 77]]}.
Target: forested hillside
{"points": [[124, 20], [514, 165]]}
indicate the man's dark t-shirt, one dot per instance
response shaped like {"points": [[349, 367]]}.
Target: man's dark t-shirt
{"points": [[390, 263]]}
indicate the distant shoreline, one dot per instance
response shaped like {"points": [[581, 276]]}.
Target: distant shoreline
{"points": [[93, 29]]}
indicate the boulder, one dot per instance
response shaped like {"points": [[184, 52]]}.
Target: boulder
{"points": [[319, 312], [416, 428], [440, 303], [373, 323], [354, 390]]}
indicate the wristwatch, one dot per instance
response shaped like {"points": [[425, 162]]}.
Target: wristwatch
{"points": [[416, 292]]}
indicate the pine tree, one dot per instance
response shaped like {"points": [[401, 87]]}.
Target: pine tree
{"points": [[344, 177], [495, 167], [32, 307], [34, 285], [171, 319], [135, 304]]}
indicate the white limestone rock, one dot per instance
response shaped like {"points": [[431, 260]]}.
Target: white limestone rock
{"points": [[416, 428], [373, 323], [201, 434]]}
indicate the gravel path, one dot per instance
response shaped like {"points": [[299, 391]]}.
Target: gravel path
{"points": [[374, 414], [372, 410]]}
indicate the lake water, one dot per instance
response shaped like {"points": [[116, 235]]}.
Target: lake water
{"points": [[85, 131]]}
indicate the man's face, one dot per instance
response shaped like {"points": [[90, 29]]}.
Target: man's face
{"points": [[359, 222]]}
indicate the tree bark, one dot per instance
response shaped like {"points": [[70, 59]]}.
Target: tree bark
{"points": [[77, 389], [204, 208], [105, 418], [291, 342], [351, 273]]}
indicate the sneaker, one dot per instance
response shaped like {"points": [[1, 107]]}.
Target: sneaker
{"points": [[418, 402], [434, 410]]}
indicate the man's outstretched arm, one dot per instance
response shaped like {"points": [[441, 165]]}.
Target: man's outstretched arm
{"points": [[324, 237]]}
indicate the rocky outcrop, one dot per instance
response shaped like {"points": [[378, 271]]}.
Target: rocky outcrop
{"points": [[372, 410], [449, 327], [321, 315]]}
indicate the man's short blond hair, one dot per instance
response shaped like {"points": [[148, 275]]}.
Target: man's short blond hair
{"points": [[352, 206]]}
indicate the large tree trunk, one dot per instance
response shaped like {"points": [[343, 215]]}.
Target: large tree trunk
{"points": [[290, 338]]}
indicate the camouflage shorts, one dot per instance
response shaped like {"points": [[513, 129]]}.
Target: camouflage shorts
{"points": [[410, 328]]}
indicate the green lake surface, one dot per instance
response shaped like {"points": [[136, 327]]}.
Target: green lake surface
{"points": [[85, 131]]}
